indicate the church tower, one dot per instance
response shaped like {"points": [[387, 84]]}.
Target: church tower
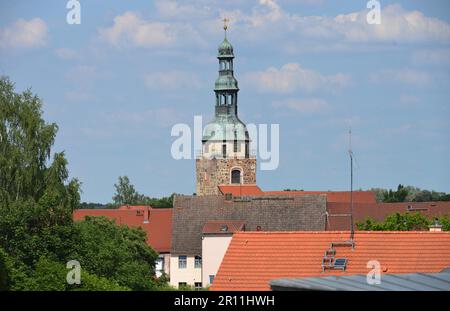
{"points": [[225, 158]]}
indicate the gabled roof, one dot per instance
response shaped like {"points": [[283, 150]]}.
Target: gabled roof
{"points": [[159, 229], [156, 222], [390, 282], [254, 258], [191, 213], [122, 217], [332, 196], [379, 211], [218, 226], [133, 207], [241, 190]]}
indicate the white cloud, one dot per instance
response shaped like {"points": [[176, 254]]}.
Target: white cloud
{"points": [[78, 96], [182, 23], [397, 25], [126, 124], [405, 76], [175, 10], [172, 80], [65, 53], [129, 28], [24, 34], [310, 105], [292, 77], [83, 80], [161, 117], [432, 57], [400, 130], [84, 74], [269, 21], [409, 100], [347, 121]]}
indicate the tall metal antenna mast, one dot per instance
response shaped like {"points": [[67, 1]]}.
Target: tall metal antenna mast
{"points": [[350, 152]]}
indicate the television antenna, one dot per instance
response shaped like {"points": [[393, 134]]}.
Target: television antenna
{"points": [[350, 152]]}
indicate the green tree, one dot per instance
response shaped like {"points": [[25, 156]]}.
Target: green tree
{"points": [[5, 270], [414, 194], [402, 222], [396, 196], [47, 275], [164, 202], [116, 252], [91, 282], [25, 150], [445, 222], [125, 192], [37, 199]]}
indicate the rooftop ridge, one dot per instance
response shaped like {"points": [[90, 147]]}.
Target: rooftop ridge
{"points": [[342, 232]]}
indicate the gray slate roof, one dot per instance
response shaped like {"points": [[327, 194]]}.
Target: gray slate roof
{"points": [[190, 213], [389, 282]]}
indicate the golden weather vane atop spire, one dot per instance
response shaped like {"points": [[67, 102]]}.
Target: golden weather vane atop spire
{"points": [[225, 23]]}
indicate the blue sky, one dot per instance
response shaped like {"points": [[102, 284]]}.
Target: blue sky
{"points": [[119, 81]]}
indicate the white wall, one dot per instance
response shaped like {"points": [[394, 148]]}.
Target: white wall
{"points": [[162, 265], [211, 149], [213, 250], [189, 275]]}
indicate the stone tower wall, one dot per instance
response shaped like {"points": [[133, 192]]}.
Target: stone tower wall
{"points": [[213, 172]]}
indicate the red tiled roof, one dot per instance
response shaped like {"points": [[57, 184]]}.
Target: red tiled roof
{"points": [[379, 211], [158, 228], [133, 207], [122, 217], [333, 196], [255, 258], [240, 190], [215, 226]]}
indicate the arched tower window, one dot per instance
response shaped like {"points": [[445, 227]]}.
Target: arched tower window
{"points": [[235, 176]]}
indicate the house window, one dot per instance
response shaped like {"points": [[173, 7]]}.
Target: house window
{"points": [[159, 265], [224, 150], [182, 285], [235, 146], [247, 151], [211, 279], [182, 262], [235, 176], [198, 285], [198, 262]]}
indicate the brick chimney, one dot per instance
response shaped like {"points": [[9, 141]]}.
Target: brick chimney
{"points": [[146, 214], [436, 226]]}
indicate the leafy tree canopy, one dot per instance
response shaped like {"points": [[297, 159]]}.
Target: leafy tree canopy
{"points": [[37, 199], [409, 194], [403, 222], [126, 194]]}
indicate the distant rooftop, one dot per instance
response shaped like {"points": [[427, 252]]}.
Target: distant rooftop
{"points": [[157, 222], [379, 211], [332, 196]]}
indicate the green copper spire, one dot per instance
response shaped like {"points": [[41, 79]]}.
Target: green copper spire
{"points": [[226, 86], [226, 90]]}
